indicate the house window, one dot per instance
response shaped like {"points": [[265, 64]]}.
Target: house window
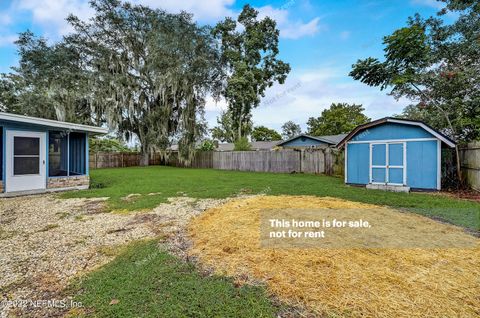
{"points": [[26, 155]]}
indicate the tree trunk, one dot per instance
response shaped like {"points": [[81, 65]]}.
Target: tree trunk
{"points": [[144, 158], [459, 171], [239, 131], [457, 152]]}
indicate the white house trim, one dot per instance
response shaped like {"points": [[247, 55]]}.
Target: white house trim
{"points": [[51, 123], [345, 163], [439, 165], [405, 163], [370, 165], [390, 140]]}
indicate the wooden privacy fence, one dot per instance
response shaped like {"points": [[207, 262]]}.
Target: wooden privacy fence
{"points": [[119, 159], [316, 161], [470, 162], [327, 161]]}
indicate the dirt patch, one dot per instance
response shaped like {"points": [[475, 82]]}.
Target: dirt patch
{"points": [[469, 195], [46, 242], [383, 282]]}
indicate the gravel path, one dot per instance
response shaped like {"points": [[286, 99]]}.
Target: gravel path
{"points": [[45, 242]]}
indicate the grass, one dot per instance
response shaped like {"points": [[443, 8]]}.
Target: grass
{"points": [[144, 281], [157, 183]]}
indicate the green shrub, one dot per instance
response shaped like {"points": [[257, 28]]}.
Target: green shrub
{"points": [[242, 144], [207, 145]]}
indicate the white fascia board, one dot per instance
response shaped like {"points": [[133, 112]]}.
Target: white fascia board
{"points": [[51, 123]]}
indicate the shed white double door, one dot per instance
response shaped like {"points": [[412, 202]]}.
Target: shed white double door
{"points": [[25, 160], [388, 163]]}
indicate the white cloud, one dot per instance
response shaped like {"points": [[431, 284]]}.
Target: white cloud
{"points": [[211, 10], [306, 94], [5, 18], [345, 35], [291, 29], [51, 14], [6, 40], [298, 29], [215, 106]]}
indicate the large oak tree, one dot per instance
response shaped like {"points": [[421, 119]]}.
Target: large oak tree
{"points": [[49, 82], [149, 72]]}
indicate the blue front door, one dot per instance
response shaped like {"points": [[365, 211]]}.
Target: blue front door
{"points": [[387, 163]]}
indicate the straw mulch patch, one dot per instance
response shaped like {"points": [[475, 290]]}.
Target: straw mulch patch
{"points": [[340, 282]]}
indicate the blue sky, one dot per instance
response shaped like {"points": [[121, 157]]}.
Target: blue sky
{"points": [[320, 39]]}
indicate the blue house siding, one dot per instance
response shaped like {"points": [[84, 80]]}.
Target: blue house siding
{"points": [[304, 142], [358, 163], [422, 164], [392, 131]]}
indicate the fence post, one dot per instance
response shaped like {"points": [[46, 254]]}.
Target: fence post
{"points": [[328, 159], [301, 160]]}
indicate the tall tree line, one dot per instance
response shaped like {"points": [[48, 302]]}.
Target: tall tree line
{"points": [[144, 73]]}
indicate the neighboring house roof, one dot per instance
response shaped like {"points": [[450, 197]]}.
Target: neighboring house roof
{"points": [[334, 138], [51, 123], [377, 122], [174, 147], [330, 140], [256, 145], [225, 147]]}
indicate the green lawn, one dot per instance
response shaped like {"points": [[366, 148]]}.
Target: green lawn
{"points": [[146, 282], [164, 182]]}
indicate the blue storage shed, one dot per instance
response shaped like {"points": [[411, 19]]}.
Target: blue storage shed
{"points": [[394, 154], [39, 155]]}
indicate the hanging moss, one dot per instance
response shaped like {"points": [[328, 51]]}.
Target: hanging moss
{"points": [[150, 72]]}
